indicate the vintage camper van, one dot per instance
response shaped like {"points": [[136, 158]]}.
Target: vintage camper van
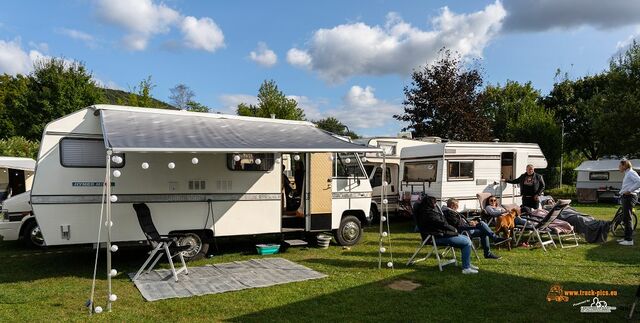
{"points": [[600, 179], [208, 175], [462, 169], [16, 177], [373, 163]]}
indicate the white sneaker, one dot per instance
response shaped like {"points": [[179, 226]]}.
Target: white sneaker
{"points": [[620, 240], [468, 271], [626, 243], [473, 267]]}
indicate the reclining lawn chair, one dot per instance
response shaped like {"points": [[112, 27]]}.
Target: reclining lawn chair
{"points": [[536, 229], [169, 243]]}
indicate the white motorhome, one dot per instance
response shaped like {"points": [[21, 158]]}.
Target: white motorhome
{"points": [[599, 179], [373, 163], [462, 169], [208, 175]]}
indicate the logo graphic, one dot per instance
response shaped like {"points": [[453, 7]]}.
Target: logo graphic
{"points": [[556, 294], [597, 306]]}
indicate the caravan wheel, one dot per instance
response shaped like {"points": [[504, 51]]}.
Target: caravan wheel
{"points": [[197, 247], [32, 235], [349, 232]]}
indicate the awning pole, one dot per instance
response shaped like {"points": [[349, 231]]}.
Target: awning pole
{"points": [[109, 224]]}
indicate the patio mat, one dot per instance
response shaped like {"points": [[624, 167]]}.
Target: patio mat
{"points": [[220, 278]]}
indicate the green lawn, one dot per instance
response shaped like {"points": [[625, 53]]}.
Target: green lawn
{"points": [[52, 285]]}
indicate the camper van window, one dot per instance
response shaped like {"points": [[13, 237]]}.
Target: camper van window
{"points": [[348, 165], [247, 162], [460, 170], [377, 177], [423, 171], [599, 176], [85, 152]]}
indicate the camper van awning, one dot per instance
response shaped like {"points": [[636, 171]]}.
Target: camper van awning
{"points": [[603, 165], [17, 163], [149, 131]]}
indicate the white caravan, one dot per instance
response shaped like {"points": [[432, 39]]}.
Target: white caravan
{"points": [[16, 177], [208, 175], [462, 169], [600, 179], [373, 163]]}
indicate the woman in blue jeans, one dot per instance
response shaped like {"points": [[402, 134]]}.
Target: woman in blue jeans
{"points": [[431, 221]]}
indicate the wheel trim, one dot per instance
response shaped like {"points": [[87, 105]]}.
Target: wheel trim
{"points": [[194, 242], [351, 231], [36, 236]]}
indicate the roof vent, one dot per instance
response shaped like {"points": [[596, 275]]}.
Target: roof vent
{"points": [[495, 140]]}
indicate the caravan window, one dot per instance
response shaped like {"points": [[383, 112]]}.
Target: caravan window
{"points": [[85, 152], [423, 171], [377, 177], [599, 176], [460, 170], [248, 162], [347, 165]]}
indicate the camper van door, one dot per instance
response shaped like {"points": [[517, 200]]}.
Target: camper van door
{"points": [[321, 170]]}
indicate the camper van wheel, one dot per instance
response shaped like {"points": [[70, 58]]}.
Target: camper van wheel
{"points": [[32, 235], [349, 232], [374, 215], [197, 246]]}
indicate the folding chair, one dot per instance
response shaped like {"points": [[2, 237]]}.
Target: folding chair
{"points": [[482, 201], [434, 250], [570, 236], [538, 228], [166, 243]]}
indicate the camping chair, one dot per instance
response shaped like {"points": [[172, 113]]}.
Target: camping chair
{"points": [[428, 239], [535, 228], [570, 236], [166, 242]]}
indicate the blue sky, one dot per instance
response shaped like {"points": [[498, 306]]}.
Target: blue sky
{"points": [[349, 59]]}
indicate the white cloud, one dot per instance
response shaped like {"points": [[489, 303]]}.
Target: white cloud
{"points": [[361, 109], [43, 47], [299, 58], [311, 107], [13, 60], [106, 84], [541, 15], [202, 34], [397, 47], [82, 36], [623, 44], [263, 55], [142, 19]]}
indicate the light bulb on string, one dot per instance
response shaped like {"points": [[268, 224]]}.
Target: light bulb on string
{"points": [[113, 297], [383, 249], [296, 157], [390, 264], [236, 158], [113, 273], [116, 173], [113, 198], [384, 233], [145, 165], [114, 248], [116, 159], [258, 161], [171, 165], [194, 161], [383, 218], [98, 309]]}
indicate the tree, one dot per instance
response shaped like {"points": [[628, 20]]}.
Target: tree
{"points": [[181, 96], [196, 107], [334, 125], [19, 147], [272, 101], [505, 103], [538, 125], [55, 88], [140, 95], [443, 100]]}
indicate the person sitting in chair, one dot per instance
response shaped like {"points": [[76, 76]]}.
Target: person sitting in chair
{"points": [[475, 229], [431, 221], [494, 210]]}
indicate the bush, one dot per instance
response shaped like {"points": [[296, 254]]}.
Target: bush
{"points": [[19, 147], [564, 192]]}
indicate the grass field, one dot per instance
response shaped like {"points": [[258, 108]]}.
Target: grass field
{"points": [[53, 285]]}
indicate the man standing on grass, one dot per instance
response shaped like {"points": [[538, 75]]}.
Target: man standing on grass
{"points": [[531, 187], [629, 197]]}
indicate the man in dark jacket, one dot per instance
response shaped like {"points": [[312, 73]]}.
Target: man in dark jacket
{"points": [[431, 221], [531, 187]]}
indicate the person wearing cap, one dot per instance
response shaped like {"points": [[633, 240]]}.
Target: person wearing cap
{"points": [[628, 197]]}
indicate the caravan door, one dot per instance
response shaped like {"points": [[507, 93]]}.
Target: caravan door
{"points": [[320, 176]]}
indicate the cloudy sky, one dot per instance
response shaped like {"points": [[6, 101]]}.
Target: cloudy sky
{"points": [[348, 59]]}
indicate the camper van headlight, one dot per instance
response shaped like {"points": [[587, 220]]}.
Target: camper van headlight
{"points": [[258, 161], [194, 161], [171, 165], [145, 165]]}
